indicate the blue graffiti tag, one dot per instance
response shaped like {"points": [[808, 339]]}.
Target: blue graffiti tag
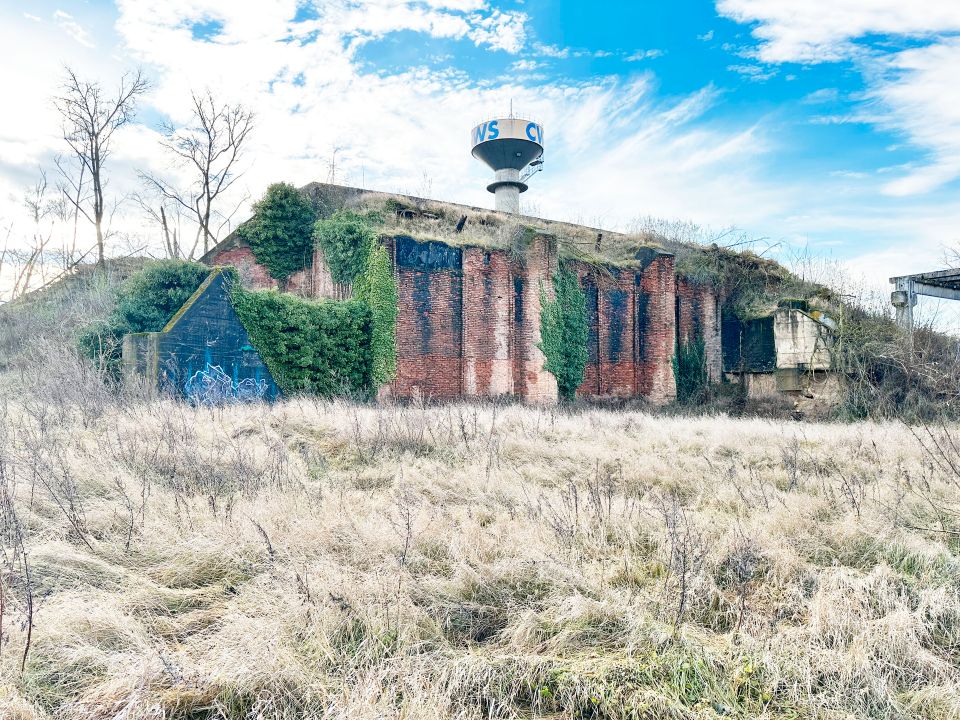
{"points": [[212, 386]]}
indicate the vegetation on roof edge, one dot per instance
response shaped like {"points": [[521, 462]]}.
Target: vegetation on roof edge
{"points": [[751, 286]]}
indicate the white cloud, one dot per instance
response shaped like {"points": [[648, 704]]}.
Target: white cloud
{"points": [[918, 89], [553, 51], [706, 37], [823, 95], [756, 73], [71, 27], [643, 55], [526, 65], [500, 30], [824, 30]]}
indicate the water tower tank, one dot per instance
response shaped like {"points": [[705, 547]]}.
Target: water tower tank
{"points": [[508, 146]]}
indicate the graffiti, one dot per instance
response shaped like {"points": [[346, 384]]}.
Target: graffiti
{"points": [[212, 386]]}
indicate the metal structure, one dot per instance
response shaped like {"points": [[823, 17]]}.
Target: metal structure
{"points": [[941, 284], [509, 146]]}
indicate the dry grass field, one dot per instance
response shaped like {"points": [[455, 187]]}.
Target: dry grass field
{"points": [[331, 560]]}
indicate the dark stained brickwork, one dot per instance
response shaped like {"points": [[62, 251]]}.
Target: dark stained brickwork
{"points": [[469, 320], [630, 330], [697, 315], [429, 319]]}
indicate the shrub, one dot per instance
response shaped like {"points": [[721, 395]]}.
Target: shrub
{"points": [[377, 288], [145, 303], [346, 239], [318, 347], [150, 298], [280, 230], [564, 332]]}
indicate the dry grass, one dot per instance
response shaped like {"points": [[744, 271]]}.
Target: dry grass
{"points": [[318, 559]]}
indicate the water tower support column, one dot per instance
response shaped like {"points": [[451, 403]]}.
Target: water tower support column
{"points": [[507, 189]]}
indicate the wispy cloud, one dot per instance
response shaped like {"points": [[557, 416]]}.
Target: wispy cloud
{"points": [[908, 91], [639, 55], [71, 27], [756, 73], [823, 95], [818, 31], [553, 51]]}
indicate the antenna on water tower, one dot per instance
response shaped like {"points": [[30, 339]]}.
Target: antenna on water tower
{"points": [[508, 146]]}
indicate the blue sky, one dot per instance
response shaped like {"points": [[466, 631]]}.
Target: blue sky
{"points": [[829, 127]]}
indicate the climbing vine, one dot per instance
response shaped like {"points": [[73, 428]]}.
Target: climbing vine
{"points": [[690, 371], [377, 288], [564, 332], [345, 238], [317, 347]]}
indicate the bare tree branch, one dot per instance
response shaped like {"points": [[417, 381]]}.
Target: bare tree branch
{"points": [[210, 148]]}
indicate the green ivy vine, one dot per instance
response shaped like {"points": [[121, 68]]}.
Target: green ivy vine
{"points": [[345, 238], [378, 289], [564, 332]]}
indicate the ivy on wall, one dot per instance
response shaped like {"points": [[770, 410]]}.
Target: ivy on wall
{"points": [[564, 332], [690, 372], [280, 231], [145, 303], [378, 289], [345, 238], [316, 347]]}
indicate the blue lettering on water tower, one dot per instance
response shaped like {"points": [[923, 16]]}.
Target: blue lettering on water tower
{"points": [[534, 133], [494, 130]]}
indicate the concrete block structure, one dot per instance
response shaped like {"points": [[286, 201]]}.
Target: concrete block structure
{"points": [[203, 353], [469, 311], [789, 351]]}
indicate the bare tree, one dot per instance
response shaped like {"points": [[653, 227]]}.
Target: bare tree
{"points": [[90, 118], [167, 217], [210, 146]]}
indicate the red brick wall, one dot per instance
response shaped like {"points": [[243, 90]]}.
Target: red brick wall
{"points": [[698, 316], [534, 272], [657, 331], [252, 274], [314, 281], [429, 329], [487, 328], [472, 327], [631, 331]]}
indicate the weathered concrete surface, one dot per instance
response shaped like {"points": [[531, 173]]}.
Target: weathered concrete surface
{"points": [[204, 352], [801, 341]]}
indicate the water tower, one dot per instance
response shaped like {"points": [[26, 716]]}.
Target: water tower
{"points": [[509, 146]]}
